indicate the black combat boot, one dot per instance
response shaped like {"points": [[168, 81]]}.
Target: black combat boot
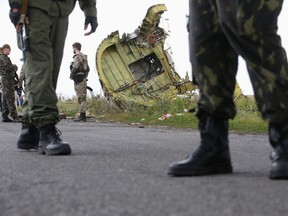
{"points": [[278, 137], [212, 156], [29, 138], [6, 119], [82, 118], [50, 142]]}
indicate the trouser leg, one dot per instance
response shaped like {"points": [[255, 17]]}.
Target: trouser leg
{"points": [[214, 62], [47, 35], [251, 27], [254, 36], [9, 106], [81, 92]]}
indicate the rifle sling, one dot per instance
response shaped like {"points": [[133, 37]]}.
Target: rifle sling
{"points": [[23, 12]]}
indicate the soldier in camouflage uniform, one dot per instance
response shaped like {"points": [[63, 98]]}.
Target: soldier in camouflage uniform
{"points": [[1, 51], [46, 23], [219, 32], [8, 74], [79, 73], [0, 95]]}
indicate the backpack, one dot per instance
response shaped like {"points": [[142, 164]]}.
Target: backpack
{"points": [[85, 66]]}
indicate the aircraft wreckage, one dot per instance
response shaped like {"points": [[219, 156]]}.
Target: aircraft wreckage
{"points": [[136, 68]]}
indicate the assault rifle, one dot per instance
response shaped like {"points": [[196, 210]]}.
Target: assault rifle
{"points": [[22, 36], [23, 41]]}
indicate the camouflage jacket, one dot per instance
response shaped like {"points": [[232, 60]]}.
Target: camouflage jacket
{"points": [[80, 63], [7, 69], [65, 6]]}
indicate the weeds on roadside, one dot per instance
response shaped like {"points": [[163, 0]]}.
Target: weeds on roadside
{"points": [[247, 119]]}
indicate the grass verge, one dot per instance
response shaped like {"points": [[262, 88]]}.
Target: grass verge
{"points": [[247, 120]]}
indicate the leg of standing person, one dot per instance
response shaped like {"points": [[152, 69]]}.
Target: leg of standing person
{"points": [[0, 101], [254, 36], [5, 108], [47, 38], [81, 92], [215, 66], [251, 27], [9, 106]]}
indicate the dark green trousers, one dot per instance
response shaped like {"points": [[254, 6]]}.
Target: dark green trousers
{"points": [[47, 38], [220, 31]]}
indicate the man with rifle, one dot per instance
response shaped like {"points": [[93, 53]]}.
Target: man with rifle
{"points": [[46, 24], [79, 73]]}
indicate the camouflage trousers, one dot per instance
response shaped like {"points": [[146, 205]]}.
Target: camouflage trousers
{"points": [[81, 93], [220, 31], [8, 98]]}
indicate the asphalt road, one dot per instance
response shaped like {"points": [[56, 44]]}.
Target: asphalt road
{"points": [[120, 170]]}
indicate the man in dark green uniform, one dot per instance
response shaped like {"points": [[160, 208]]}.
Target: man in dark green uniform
{"points": [[219, 31], [46, 26]]}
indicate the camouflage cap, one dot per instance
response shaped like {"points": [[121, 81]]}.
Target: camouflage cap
{"points": [[6, 46], [77, 45]]}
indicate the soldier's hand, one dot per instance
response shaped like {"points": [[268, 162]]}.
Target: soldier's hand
{"points": [[14, 14], [93, 22]]}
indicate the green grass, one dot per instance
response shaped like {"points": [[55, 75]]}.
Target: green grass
{"points": [[247, 120], [248, 123]]}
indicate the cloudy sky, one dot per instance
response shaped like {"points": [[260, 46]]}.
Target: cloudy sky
{"points": [[125, 16]]}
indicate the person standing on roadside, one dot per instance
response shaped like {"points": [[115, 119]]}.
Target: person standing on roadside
{"points": [[1, 51], [219, 31], [46, 25], [8, 75], [79, 73]]}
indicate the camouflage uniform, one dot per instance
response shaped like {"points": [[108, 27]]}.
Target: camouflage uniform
{"points": [[7, 72], [47, 29], [0, 86], [222, 30], [80, 85], [219, 31], [0, 96]]}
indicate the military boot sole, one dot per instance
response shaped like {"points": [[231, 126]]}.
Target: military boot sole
{"points": [[77, 120], [63, 149], [26, 147], [279, 174], [179, 171], [7, 120]]}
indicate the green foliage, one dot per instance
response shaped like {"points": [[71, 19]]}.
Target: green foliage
{"points": [[246, 104], [248, 122], [98, 106], [68, 106]]}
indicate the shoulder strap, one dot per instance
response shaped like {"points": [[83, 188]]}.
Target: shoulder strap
{"points": [[23, 12]]}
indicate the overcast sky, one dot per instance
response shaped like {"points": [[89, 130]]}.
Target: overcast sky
{"points": [[125, 16]]}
